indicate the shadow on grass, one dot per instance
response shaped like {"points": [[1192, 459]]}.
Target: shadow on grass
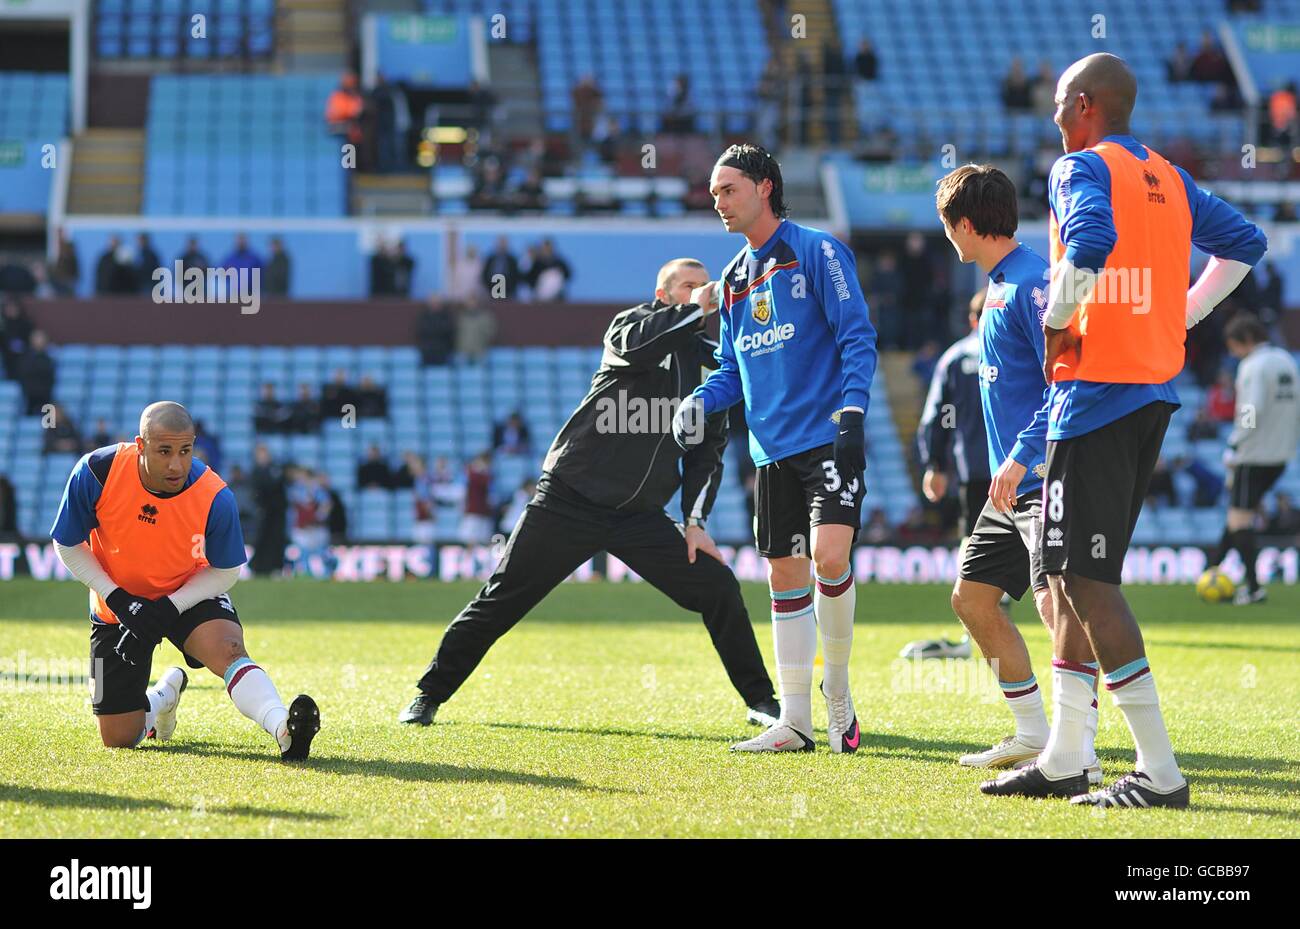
{"points": [[895, 746], [1233, 646], [1248, 810], [398, 770], [596, 730], [90, 800], [1247, 773]]}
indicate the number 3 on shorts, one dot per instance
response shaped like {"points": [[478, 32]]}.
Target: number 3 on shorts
{"points": [[1055, 501], [833, 481]]}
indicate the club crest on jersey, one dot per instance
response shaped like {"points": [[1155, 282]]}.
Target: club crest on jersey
{"points": [[761, 308], [1040, 470]]}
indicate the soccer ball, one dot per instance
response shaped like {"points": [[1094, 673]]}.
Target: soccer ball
{"points": [[1215, 587]]}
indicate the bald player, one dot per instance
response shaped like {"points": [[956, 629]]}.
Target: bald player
{"points": [[1123, 223], [605, 481], [154, 533]]}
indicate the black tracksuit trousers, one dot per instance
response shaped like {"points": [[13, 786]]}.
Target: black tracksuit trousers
{"points": [[557, 534]]}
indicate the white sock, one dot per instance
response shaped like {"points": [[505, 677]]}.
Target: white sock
{"points": [[1090, 727], [794, 639], [1071, 702], [833, 606], [255, 696], [1134, 690], [166, 694], [1090, 734], [150, 715], [1025, 700]]}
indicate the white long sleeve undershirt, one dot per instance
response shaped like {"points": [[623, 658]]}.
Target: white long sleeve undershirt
{"points": [[1070, 286], [85, 567], [1220, 278]]}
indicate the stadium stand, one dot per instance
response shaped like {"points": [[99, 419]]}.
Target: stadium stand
{"points": [[33, 105], [961, 102], [162, 29], [433, 411], [636, 48], [223, 147], [241, 145], [519, 15], [33, 113], [440, 412]]}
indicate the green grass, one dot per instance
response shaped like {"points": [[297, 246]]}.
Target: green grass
{"points": [[606, 713]]}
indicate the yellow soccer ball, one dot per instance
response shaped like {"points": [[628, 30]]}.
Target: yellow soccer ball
{"points": [[1215, 587]]}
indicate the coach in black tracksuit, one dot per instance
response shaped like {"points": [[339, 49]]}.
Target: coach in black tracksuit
{"points": [[604, 484]]}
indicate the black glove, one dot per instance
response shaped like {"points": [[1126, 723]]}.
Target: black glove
{"points": [[134, 650], [688, 423], [850, 446], [144, 617], [166, 613]]}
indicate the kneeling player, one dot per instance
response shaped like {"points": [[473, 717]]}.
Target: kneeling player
{"points": [[155, 535], [977, 204]]}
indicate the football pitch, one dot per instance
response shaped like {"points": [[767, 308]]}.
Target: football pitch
{"points": [[607, 713]]}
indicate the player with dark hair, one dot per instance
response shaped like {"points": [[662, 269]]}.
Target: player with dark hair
{"points": [[797, 346], [1264, 438], [1122, 225], [154, 533], [604, 485], [978, 208]]}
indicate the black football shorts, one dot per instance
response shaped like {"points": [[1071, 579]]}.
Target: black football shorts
{"points": [[117, 686], [1247, 484], [1002, 549], [796, 493], [1095, 486]]}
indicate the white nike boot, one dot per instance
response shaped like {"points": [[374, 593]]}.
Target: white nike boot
{"points": [[780, 738]]}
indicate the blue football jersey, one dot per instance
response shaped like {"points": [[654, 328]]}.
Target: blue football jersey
{"points": [[796, 341], [1013, 390]]}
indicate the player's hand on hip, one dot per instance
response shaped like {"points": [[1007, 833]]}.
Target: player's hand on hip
{"points": [[706, 297], [698, 540], [1002, 488], [934, 484], [1056, 342], [850, 446], [688, 422]]}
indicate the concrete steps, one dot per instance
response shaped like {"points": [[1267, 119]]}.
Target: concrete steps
{"points": [[906, 396], [516, 79], [820, 28], [107, 171], [311, 35], [391, 195]]}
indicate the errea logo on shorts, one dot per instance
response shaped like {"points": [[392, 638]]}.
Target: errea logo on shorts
{"points": [[769, 340], [1055, 537]]}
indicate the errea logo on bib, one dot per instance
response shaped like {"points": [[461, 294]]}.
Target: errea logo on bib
{"points": [[769, 339]]}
